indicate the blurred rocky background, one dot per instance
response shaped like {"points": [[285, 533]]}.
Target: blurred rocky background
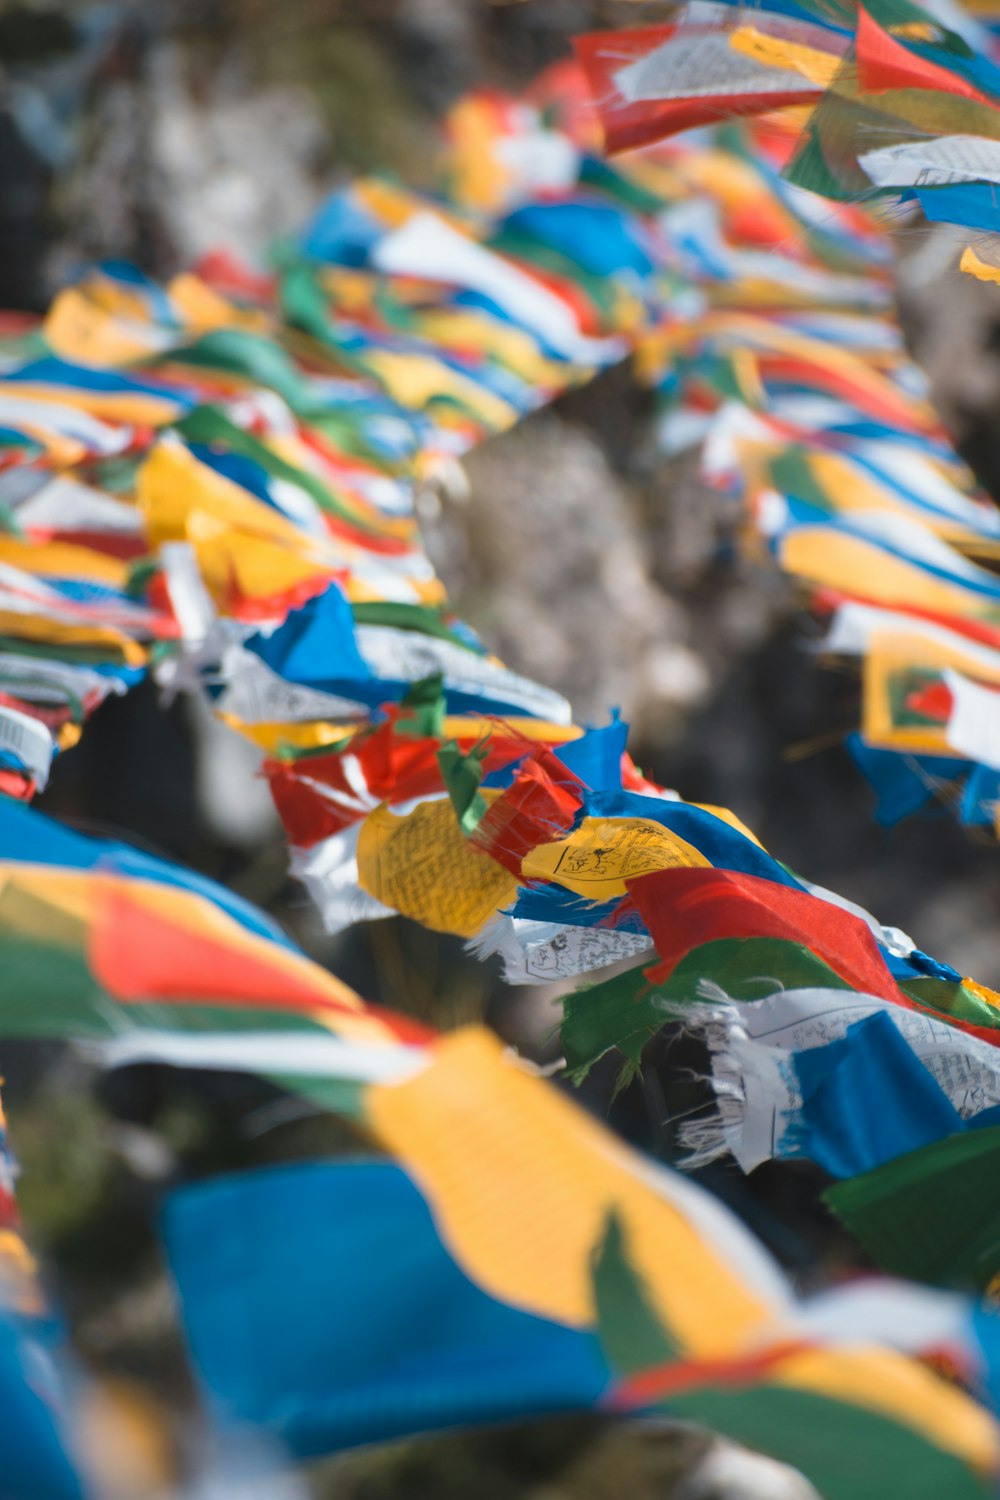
{"points": [[156, 130]]}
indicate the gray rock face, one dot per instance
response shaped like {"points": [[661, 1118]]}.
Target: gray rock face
{"points": [[236, 161], [550, 562]]}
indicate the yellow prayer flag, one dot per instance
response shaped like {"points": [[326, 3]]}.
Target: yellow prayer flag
{"points": [[424, 867], [602, 853]]}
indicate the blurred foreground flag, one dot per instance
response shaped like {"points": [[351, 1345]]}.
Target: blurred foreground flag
{"points": [[103, 943], [321, 1301], [520, 1260], [34, 1461]]}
